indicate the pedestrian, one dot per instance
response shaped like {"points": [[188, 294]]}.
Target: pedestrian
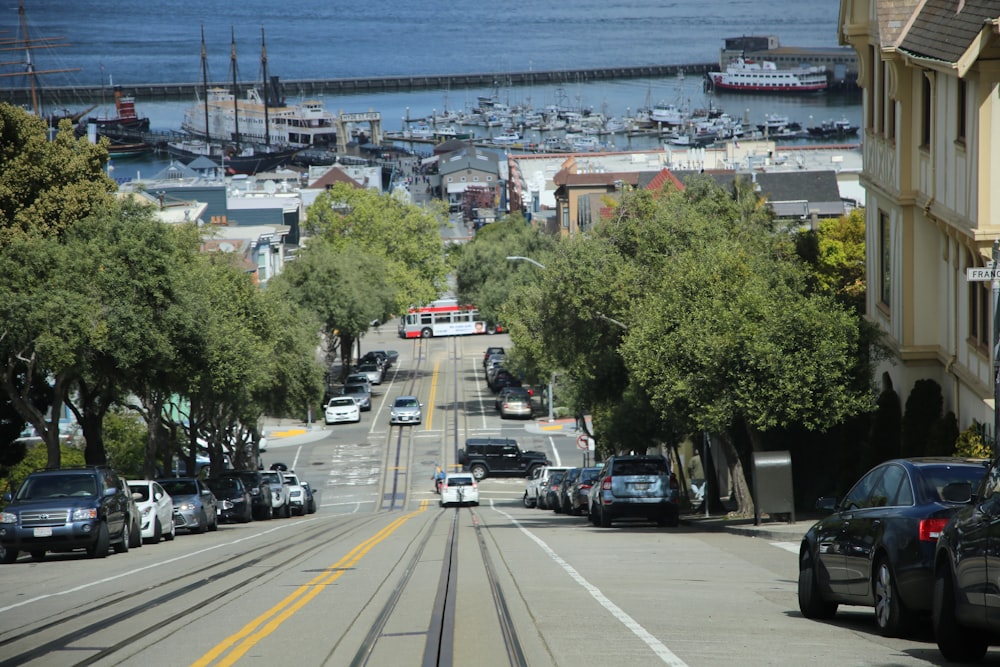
{"points": [[696, 478]]}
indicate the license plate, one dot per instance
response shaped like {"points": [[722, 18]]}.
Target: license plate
{"points": [[640, 486], [42, 532]]}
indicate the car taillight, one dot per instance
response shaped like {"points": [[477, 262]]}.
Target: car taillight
{"points": [[585, 486], [930, 529], [674, 486], [606, 484]]}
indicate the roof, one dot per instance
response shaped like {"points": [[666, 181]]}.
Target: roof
{"points": [[334, 175], [945, 29]]}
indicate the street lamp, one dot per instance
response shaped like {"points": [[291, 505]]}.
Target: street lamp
{"points": [[518, 258]]}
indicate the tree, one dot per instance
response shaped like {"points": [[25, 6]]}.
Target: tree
{"points": [[405, 236], [47, 186]]}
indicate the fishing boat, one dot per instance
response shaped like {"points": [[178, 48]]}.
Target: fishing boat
{"points": [[833, 129], [748, 75], [237, 154]]}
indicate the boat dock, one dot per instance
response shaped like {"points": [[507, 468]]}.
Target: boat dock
{"points": [[378, 84]]}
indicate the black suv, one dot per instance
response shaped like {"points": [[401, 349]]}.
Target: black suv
{"points": [[635, 487], [493, 457], [259, 488], [65, 509]]}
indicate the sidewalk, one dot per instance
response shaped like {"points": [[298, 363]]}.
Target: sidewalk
{"points": [[768, 529]]}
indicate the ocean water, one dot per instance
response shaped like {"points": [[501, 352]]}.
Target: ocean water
{"points": [[114, 41]]}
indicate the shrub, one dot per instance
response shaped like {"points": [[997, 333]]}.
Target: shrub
{"points": [[970, 443]]}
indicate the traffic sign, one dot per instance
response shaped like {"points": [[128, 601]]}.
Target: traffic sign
{"points": [[980, 274], [584, 442]]}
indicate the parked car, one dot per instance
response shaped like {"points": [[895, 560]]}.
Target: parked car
{"points": [[493, 351], [63, 510], [537, 484], [280, 497], [232, 498], [260, 491], [503, 378], [579, 497], [361, 395], [156, 510], [562, 502], [459, 489], [340, 409], [877, 547], [310, 497], [516, 405], [374, 371], [359, 378], [405, 410], [966, 561], [635, 487], [194, 504], [297, 500], [134, 520], [548, 493], [509, 391]]}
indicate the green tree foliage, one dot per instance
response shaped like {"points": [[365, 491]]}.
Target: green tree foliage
{"points": [[36, 458], [970, 443], [125, 436], [47, 186], [405, 236]]}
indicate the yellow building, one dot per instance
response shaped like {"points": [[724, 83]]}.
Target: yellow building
{"points": [[929, 71]]}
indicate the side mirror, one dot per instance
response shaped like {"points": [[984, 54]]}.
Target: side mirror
{"points": [[158, 496], [826, 503], [7, 497]]}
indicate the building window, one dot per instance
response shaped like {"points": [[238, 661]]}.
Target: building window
{"points": [[885, 259], [962, 110], [979, 313], [925, 120]]}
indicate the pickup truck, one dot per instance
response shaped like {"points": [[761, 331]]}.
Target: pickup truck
{"points": [[495, 457]]}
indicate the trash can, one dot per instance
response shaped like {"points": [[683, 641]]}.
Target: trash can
{"points": [[772, 485]]}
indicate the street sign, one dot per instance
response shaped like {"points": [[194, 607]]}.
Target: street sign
{"points": [[583, 441], [982, 274]]}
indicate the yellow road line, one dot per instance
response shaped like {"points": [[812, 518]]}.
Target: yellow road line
{"points": [[269, 621]]}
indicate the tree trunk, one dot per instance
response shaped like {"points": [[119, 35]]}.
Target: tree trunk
{"points": [[741, 495]]}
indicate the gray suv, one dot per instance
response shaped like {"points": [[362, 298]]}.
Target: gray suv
{"points": [[63, 510], [635, 487]]}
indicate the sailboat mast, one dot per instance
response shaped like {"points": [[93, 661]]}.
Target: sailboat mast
{"points": [[236, 90], [267, 93], [30, 66], [204, 82]]}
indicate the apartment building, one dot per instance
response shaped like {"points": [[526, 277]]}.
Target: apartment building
{"points": [[929, 71]]}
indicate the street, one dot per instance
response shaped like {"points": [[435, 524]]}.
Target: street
{"points": [[381, 575]]}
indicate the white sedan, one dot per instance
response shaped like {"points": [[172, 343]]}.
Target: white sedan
{"points": [[342, 409], [156, 509], [459, 488]]}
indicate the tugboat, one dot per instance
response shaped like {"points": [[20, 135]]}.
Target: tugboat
{"points": [[125, 118]]}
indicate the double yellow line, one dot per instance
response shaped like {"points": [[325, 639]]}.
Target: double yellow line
{"points": [[238, 644]]}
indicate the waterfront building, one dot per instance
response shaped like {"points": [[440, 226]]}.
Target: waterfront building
{"points": [[930, 120]]}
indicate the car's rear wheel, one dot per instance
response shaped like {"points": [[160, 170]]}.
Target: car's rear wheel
{"points": [[99, 547], [38, 555], [891, 615], [811, 602], [956, 642]]}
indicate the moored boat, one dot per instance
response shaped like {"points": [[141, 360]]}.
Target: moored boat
{"points": [[125, 117], [748, 75], [833, 128], [248, 160]]}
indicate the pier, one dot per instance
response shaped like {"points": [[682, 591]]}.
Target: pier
{"points": [[378, 84]]}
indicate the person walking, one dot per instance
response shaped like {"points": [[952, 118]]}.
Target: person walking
{"points": [[696, 478]]}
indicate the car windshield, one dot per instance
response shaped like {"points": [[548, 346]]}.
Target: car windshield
{"points": [[141, 489], [180, 487], [340, 402], [406, 403], [58, 486]]}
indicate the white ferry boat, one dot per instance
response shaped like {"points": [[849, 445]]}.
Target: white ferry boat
{"points": [[304, 125], [746, 74]]}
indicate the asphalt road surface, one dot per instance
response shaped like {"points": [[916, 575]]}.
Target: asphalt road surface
{"points": [[381, 575]]}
